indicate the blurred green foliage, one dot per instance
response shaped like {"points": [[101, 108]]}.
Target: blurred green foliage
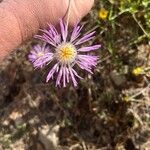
{"points": [[132, 15]]}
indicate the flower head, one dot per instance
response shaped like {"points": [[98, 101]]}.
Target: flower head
{"points": [[103, 13], [66, 53], [137, 71], [39, 56]]}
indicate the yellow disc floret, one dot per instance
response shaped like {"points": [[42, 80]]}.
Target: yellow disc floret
{"points": [[66, 53], [40, 54], [137, 71], [103, 13]]}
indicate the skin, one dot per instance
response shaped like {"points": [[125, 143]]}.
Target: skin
{"points": [[21, 19]]}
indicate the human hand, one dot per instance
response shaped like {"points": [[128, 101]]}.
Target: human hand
{"points": [[21, 19]]}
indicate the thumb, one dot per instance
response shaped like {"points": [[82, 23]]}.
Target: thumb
{"points": [[20, 20], [59, 9], [79, 8]]}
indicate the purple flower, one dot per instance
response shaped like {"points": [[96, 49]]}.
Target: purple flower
{"points": [[40, 56], [66, 53]]}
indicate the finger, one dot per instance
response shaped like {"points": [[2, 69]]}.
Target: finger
{"points": [[79, 8]]}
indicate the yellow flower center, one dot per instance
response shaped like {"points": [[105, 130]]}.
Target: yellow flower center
{"points": [[40, 54], [66, 53], [137, 71], [103, 13]]}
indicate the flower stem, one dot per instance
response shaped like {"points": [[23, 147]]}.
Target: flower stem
{"points": [[139, 24]]}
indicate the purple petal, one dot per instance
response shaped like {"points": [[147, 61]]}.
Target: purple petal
{"points": [[64, 76], [50, 36], [72, 77], [40, 60], [84, 66], [76, 32], [37, 48], [63, 29], [53, 34], [32, 57], [53, 30], [46, 39], [51, 73], [90, 48], [75, 73], [85, 38], [59, 76], [67, 74], [86, 62]]}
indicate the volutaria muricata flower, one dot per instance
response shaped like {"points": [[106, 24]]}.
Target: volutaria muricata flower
{"points": [[63, 53]]}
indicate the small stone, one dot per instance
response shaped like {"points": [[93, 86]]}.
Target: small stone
{"points": [[117, 78], [16, 117], [48, 137], [6, 123]]}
